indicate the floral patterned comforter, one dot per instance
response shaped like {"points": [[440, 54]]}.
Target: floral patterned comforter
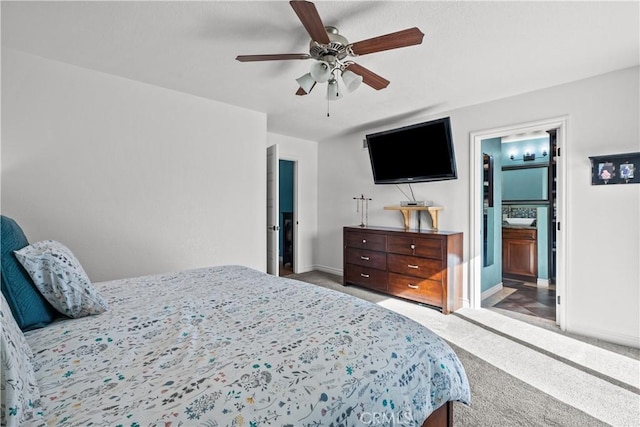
{"points": [[231, 346]]}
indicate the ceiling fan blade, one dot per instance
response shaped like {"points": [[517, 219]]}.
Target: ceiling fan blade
{"points": [[408, 37], [308, 15], [369, 77], [275, 57]]}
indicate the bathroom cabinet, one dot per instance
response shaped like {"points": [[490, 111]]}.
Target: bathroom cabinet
{"points": [[520, 253]]}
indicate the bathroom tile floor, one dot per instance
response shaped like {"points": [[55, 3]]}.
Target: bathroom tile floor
{"points": [[524, 298]]}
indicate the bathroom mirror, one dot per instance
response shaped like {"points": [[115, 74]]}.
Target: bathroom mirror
{"points": [[530, 184]]}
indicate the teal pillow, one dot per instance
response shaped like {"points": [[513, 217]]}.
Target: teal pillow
{"points": [[30, 309]]}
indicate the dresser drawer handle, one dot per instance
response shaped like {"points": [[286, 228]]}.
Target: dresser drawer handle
{"points": [[366, 276], [364, 241], [413, 246], [413, 266], [413, 286], [364, 258]]}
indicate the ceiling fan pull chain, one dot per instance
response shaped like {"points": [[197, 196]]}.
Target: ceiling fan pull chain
{"points": [[328, 103]]}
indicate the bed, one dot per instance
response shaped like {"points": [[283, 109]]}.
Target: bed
{"points": [[232, 346]]}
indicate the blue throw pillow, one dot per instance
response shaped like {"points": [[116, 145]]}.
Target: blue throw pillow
{"points": [[30, 309]]}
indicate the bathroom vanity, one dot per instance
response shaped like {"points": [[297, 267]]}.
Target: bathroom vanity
{"points": [[520, 252]]}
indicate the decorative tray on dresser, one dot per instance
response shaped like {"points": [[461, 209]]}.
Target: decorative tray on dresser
{"points": [[423, 266]]}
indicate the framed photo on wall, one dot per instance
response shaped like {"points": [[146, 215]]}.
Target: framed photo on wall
{"points": [[615, 169]]}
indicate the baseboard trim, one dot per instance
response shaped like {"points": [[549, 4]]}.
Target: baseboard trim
{"points": [[609, 336], [492, 290], [329, 270], [542, 283]]}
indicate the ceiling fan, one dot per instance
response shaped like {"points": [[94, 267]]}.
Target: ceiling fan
{"points": [[331, 50]]}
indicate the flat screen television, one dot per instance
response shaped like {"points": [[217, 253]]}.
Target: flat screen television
{"points": [[418, 153]]}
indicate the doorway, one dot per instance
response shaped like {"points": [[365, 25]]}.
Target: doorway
{"points": [[524, 287], [481, 222], [282, 218], [286, 215]]}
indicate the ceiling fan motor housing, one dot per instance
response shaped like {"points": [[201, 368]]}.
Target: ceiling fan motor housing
{"points": [[335, 49]]}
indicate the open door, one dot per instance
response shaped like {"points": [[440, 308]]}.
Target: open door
{"points": [[272, 209]]}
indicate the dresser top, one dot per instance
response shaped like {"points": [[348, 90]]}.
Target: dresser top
{"points": [[402, 230]]}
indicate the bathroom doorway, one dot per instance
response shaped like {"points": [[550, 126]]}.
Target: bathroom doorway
{"points": [[546, 207]]}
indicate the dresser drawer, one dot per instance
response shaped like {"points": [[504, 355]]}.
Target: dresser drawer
{"points": [[367, 277], [413, 266], [519, 233], [431, 248], [363, 240], [366, 258], [423, 290]]}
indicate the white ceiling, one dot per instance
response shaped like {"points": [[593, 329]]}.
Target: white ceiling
{"points": [[473, 51]]}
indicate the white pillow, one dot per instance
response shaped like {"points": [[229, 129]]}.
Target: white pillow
{"points": [[61, 279], [18, 389]]}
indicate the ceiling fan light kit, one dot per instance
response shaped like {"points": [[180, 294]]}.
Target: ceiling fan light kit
{"points": [[321, 71], [351, 80], [330, 50], [306, 83], [333, 90]]}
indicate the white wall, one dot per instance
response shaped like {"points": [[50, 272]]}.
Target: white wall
{"points": [[305, 154], [135, 179], [603, 222]]}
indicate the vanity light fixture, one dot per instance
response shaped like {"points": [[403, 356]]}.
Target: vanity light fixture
{"points": [[529, 156]]}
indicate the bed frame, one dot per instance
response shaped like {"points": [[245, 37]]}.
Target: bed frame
{"points": [[441, 417]]}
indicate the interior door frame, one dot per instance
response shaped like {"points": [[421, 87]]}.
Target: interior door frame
{"points": [[476, 203], [273, 265]]}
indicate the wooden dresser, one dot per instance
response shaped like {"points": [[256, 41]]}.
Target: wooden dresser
{"points": [[423, 266]]}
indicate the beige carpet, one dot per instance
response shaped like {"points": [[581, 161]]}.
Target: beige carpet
{"points": [[521, 374]]}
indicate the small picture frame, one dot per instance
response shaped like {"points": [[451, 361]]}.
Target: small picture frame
{"points": [[615, 169]]}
